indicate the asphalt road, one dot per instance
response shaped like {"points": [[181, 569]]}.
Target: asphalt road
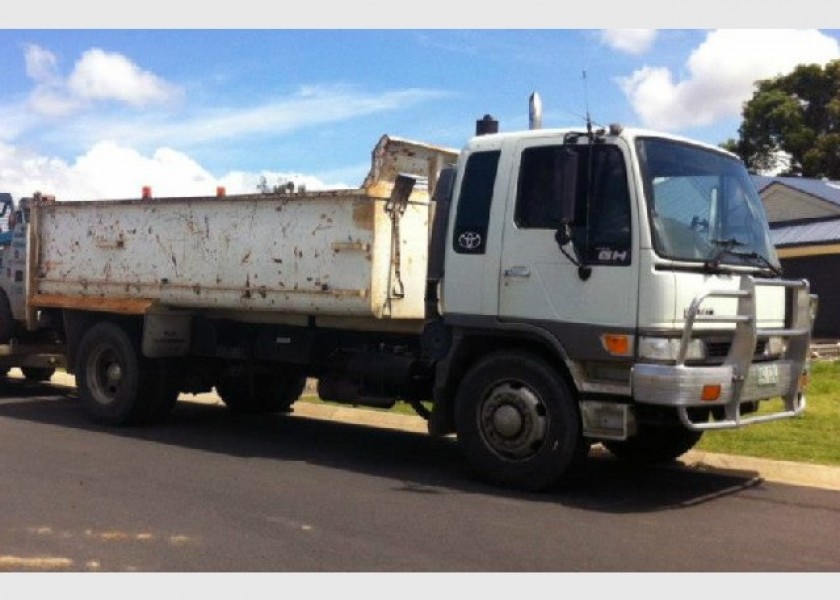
{"points": [[207, 492]]}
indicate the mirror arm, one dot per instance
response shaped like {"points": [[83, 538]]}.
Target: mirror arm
{"points": [[563, 236]]}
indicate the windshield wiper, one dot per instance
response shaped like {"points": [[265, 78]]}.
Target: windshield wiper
{"points": [[762, 259], [727, 249], [724, 247]]}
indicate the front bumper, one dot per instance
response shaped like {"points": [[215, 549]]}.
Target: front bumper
{"points": [[740, 380], [681, 386]]}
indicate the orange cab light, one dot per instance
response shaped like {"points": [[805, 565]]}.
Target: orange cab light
{"points": [[710, 393], [617, 345]]}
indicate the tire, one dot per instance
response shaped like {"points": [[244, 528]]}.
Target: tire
{"points": [[264, 394], [37, 373], [117, 386], [7, 320], [655, 445], [518, 422]]}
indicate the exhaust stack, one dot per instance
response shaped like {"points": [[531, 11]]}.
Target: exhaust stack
{"points": [[534, 111]]}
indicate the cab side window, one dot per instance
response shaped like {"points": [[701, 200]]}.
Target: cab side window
{"points": [[539, 181], [471, 221], [601, 230]]}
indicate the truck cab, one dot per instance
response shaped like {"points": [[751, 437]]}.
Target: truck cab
{"points": [[635, 265], [36, 348]]}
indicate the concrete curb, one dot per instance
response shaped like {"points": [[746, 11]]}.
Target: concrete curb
{"points": [[792, 473]]}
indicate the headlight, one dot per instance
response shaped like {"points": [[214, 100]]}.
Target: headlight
{"points": [[668, 349]]}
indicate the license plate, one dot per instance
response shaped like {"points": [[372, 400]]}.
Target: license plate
{"points": [[767, 374]]}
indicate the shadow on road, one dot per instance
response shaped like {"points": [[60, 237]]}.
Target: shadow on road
{"points": [[420, 463]]}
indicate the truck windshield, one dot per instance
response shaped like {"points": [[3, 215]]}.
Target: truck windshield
{"points": [[703, 206]]}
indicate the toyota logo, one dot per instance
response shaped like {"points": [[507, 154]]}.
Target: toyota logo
{"points": [[469, 240]]}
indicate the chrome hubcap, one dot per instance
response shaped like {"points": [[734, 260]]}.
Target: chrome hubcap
{"points": [[513, 420], [105, 375], [113, 374]]}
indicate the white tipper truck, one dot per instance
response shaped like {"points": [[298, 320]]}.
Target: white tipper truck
{"points": [[560, 287]]}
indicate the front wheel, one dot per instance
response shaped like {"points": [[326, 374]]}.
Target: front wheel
{"points": [[518, 422]]}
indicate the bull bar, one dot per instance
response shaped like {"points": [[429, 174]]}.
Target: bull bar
{"points": [[741, 380]]}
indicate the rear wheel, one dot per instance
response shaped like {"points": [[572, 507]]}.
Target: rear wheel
{"points": [[655, 445], [262, 393], [518, 422], [117, 386]]}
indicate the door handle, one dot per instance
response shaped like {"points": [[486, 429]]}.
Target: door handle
{"points": [[518, 272]]}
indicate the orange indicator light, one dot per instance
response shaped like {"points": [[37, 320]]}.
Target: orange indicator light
{"points": [[710, 393], [617, 345]]}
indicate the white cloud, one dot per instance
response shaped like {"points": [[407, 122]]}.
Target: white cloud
{"points": [[310, 107], [64, 140], [720, 73], [96, 77], [16, 119], [49, 96], [110, 170], [23, 173], [100, 75], [118, 171], [631, 41], [240, 182], [41, 64]]}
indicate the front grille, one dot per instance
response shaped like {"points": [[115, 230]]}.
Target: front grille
{"points": [[717, 350]]}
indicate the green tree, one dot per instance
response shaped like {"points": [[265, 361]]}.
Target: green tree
{"points": [[797, 114]]}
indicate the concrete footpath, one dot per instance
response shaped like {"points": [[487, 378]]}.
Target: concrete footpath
{"points": [[791, 473]]}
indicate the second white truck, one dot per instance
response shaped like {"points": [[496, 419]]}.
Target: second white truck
{"points": [[560, 287]]}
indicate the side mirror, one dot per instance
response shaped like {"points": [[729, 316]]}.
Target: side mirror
{"points": [[565, 190], [565, 185]]}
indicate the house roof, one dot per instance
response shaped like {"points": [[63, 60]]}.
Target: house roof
{"points": [[805, 232], [819, 188]]}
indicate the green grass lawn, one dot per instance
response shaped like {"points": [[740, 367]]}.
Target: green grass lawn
{"points": [[811, 438]]}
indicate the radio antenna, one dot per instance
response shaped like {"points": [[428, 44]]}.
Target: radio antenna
{"points": [[586, 103], [585, 271]]}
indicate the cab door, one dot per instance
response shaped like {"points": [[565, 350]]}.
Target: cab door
{"points": [[539, 280]]}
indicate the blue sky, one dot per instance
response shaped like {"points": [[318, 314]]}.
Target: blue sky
{"points": [[91, 113]]}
